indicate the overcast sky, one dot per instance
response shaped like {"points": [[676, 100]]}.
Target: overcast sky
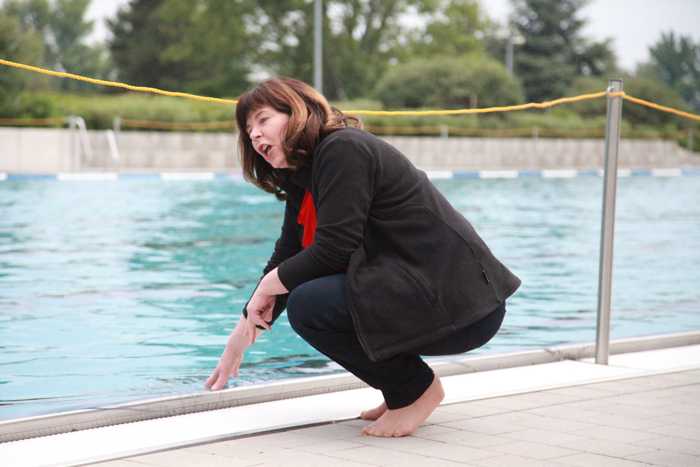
{"points": [[633, 25]]}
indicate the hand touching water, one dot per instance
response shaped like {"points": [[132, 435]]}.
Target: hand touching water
{"points": [[259, 312]]}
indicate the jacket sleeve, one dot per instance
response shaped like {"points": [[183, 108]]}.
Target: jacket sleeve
{"points": [[287, 245], [343, 186]]}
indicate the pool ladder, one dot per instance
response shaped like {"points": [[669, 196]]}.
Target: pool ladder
{"points": [[81, 149]]}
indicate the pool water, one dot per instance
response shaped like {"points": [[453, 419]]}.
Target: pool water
{"points": [[115, 291]]}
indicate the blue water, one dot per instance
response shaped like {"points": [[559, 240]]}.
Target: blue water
{"points": [[114, 291]]}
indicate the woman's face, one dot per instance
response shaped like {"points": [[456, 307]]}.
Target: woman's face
{"points": [[266, 128]]}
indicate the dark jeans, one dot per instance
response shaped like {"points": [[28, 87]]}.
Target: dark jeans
{"points": [[318, 313]]}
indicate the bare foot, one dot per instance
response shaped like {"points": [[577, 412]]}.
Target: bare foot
{"points": [[404, 421], [374, 413]]}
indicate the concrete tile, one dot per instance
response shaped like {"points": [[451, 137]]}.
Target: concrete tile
{"points": [[549, 437], [627, 421], [486, 427], [470, 438], [327, 447], [667, 458], [588, 460], [581, 392], [430, 448], [679, 418], [509, 460], [303, 459], [236, 449], [388, 457], [445, 415], [477, 408], [614, 434], [119, 463], [678, 431], [673, 444], [566, 412], [332, 431], [532, 420], [533, 450], [188, 458], [607, 447]]}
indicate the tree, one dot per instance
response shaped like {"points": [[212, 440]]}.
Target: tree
{"points": [[360, 38], [453, 27], [62, 26], [200, 46], [554, 52], [20, 45], [676, 62], [449, 82]]}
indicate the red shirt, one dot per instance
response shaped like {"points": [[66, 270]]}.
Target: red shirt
{"points": [[307, 218]]}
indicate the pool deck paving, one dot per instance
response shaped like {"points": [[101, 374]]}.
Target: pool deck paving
{"points": [[641, 409]]}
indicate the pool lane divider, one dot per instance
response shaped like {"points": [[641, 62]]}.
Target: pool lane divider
{"points": [[432, 174]]}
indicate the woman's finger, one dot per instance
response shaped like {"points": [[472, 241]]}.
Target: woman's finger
{"points": [[212, 378]]}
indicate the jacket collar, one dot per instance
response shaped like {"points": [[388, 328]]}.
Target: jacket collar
{"points": [[301, 177]]}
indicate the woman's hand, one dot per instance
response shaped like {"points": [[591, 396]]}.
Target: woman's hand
{"points": [[259, 310], [231, 359]]}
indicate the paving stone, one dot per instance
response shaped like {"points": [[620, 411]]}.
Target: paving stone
{"points": [[614, 434], [588, 460], [673, 444], [552, 438], [607, 447], [486, 427], [509, 460], [667, 458], [119, 463], [470, 438], [678, 431], [327, 447], [388, 457], [430, 448], [532, 450], [191, 459]]}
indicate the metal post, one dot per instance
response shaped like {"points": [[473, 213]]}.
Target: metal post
{"points": [[691, 139], [607, 231], [318, 46], [509, 53]]}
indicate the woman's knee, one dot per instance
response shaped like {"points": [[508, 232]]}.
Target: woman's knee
{"points": [[299, 306]]}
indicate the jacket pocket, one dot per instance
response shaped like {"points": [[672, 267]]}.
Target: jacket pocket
{"points": [[395, 305]]}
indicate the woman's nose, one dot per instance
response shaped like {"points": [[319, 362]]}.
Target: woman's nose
{"points": [[254, 133]]}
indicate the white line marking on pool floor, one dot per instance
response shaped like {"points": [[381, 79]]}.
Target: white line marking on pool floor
{"points": [[86, 176], [498, 174], [187, 176]]}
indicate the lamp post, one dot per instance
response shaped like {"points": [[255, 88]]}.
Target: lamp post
{"points": [[318, 45]]}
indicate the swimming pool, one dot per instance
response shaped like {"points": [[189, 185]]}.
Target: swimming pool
{"points": [[121, 290]]}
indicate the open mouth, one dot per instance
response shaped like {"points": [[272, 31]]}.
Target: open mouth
{"points": [[265, 149]]}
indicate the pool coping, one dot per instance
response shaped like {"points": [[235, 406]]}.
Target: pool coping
{"points": [[44, 425]]}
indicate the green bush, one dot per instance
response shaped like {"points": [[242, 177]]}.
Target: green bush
{"points": [[448, 82]]}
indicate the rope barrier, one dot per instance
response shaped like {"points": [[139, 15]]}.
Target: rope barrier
{"points": [[33, 121], [508, 108], [115, 84], [157, 125], [662, 108]]}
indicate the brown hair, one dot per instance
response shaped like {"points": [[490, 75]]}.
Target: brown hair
{"points": [[311, 118]]}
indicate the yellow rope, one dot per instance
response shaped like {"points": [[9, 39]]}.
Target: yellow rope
{"points": [[176, 125], [662, 108], [508, 108], [101, 82], [33, 121]]}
